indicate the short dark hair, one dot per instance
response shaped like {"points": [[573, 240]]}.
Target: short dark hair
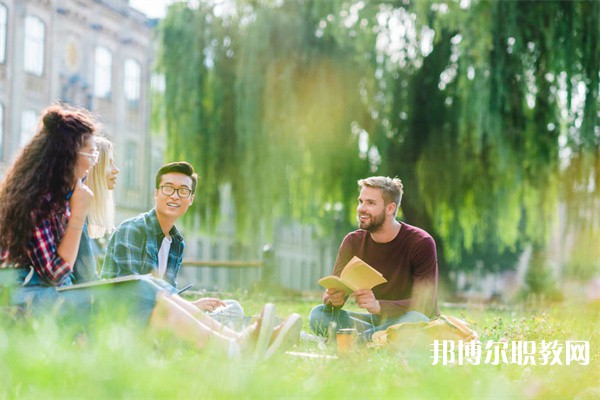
{"points": [[182, 167]]}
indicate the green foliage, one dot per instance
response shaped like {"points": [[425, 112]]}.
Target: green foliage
{"points": [[487, 110]]}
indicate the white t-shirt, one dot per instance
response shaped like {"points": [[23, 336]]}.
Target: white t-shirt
{"points": [[163, 255]]}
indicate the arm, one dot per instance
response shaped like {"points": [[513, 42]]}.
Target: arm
{"points": [[53, 257], [125, 252], [44, 256], [425, 277]]}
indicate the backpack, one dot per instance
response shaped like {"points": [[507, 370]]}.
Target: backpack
{"points": [[442, 327]]}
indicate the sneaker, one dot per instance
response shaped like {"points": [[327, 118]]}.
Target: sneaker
{"points": [[264, 328], [285, 335]]}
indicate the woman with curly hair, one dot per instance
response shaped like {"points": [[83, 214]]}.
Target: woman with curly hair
{"points": [[44, 201]]}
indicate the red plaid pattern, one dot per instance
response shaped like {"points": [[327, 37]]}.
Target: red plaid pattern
{"points": [[42, 248]]}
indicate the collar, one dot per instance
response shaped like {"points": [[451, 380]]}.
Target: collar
{"points": [[156, 230]]}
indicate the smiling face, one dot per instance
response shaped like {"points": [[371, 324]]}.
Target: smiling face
{"points": [[371, 210], [172, 206]]}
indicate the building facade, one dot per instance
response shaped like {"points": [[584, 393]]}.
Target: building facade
{"points": [[95, 54]]}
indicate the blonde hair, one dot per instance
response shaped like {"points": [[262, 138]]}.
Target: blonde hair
{"points": [[101, 215], [391, 188]]}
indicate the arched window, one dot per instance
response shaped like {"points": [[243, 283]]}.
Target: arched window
{"points": [[3, 32], [103, 72], [132, 80], [28, 125], [35, 32]]}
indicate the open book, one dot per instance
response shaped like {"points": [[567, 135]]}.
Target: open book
{"points": [[102, 282], [356, 275]]}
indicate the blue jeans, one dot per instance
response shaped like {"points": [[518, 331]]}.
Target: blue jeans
{"points": [[365, 324]]}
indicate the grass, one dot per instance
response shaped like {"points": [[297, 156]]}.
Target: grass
{"points": [[40, 359]]}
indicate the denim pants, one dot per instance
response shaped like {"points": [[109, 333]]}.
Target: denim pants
{"points": [[365, 324]]}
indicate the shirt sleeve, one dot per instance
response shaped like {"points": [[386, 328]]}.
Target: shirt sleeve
{"points": [[125, 252], [43, 254], [425, 280]]}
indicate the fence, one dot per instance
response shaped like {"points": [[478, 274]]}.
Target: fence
{"points": [[295, 260]]}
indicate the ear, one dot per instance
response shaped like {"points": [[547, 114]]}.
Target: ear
{"points": [[390, 209], [191, 199]]}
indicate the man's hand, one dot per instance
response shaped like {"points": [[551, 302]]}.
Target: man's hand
{"points": [[366, 299], [334, 297], [208, 304]]}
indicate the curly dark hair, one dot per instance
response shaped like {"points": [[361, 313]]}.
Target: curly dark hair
{"points": [[44, 169]]}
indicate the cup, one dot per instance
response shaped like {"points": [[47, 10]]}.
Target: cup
{"points": [[346, 339]]}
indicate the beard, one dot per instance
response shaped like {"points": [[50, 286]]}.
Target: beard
{"points": [[375, 223]]}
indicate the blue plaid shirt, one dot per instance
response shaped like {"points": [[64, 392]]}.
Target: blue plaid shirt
{"points": [[133, 249]]}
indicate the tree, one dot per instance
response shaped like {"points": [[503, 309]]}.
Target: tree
{"points": [[488, 111]]}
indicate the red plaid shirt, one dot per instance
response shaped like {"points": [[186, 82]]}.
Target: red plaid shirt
{"points": [[42, 248]]}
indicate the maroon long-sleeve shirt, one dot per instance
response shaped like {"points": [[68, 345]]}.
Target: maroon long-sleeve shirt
{"points": [[408, 262]]}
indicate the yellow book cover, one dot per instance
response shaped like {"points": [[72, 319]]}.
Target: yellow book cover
{"points": [[356, 275]]}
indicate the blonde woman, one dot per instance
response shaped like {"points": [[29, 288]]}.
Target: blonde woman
{"points": [[103, 180], [100, 221]]}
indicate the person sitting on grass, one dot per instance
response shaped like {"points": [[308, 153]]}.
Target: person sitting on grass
{"points": [[43, 205], [150, 243], [100, 220], [404, 254]]}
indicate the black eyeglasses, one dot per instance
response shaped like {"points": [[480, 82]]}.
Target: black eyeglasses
{"points": [[183, 192]]}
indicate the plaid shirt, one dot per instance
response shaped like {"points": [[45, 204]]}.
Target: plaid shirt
{"points": [[42, 248], [133, 249]]}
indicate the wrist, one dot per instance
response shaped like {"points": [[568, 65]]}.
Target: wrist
{"points": [[377, 310]]}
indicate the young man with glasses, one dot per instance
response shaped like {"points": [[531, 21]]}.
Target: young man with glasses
{"points": [[151, 244]]}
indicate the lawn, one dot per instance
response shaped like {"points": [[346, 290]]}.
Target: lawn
{"points": [[41, 359]]}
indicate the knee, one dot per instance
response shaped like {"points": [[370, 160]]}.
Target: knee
{"points": [[317, 312], [414, 316], [318, 320]]}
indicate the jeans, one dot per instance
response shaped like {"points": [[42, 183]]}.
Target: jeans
{"points": [[365, 324]]}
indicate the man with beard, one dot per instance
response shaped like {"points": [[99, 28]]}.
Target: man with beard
{"points": [[404, 254]]}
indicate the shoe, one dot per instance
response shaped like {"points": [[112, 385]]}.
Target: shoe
{"points": [[285, 335], [264, 328]]}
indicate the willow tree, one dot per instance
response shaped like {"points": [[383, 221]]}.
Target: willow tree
{"points": [[488, 111], [197, 58], [254, 99]]}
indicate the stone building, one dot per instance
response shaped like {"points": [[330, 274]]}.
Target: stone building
{"points": [[95, 54]]}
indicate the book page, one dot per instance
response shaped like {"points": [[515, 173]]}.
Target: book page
{"points": [[102, 282], [357, 274], [333, 282]]}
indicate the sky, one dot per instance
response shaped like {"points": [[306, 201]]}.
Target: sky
{"points": [[152, 8]]}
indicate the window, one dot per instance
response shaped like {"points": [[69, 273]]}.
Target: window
{"points": [[131, 165], [103, 72], [3, 30], [1, 131], [34, 45], [28, 125], [132, 80]]}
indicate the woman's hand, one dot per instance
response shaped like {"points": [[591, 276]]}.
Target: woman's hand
{"points": [[80, 201]]}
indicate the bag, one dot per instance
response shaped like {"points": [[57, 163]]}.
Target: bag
{"points": [[443, 327]]}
